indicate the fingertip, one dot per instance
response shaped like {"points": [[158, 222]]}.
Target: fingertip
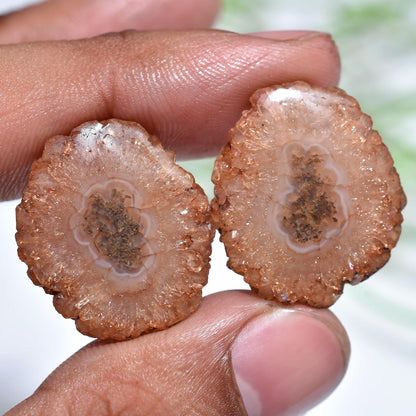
{"points": [[329, 72], [287, 361]]}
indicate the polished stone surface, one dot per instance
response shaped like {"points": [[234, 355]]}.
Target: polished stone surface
{"points": [[306, 195], [115, 230]]}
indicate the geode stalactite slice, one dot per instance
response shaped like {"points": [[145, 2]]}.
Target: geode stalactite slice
{"points": [[306, 195], [115, 230]]}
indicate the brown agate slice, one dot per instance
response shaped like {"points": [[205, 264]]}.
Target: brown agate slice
{"points": [[306, 195], [115, 230]]}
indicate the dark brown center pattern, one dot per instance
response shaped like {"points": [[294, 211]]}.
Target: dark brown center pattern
{"points": [[115, 233], [309, 209]]}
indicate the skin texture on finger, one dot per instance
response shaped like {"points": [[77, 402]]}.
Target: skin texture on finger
{"points": [[186, 87], [187, 369], [74, 19]]}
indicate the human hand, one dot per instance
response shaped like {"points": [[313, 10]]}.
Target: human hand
{"points": [[188, 88]]}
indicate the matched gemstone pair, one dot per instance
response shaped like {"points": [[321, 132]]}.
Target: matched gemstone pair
{"points": [[306, 200]]}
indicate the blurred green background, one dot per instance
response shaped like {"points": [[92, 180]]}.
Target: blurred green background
{"points": [[377, 43]]}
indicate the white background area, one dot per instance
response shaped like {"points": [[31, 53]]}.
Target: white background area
{"points": [[381, 378]]}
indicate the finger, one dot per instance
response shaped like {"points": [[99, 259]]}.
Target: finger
{"points": [[188, 88], [236, 351], [72, 19]]}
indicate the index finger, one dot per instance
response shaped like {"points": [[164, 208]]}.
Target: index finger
{"points": [[186, 87], [75, 19]]}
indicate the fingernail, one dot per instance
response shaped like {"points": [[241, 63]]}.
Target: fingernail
{"points": [[291, 35], [287, 361]]}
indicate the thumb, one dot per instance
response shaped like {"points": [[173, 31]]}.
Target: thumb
{"points": [[237, 355]]}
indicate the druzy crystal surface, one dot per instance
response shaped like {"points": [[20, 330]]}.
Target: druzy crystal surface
{"points": [[306, 195], [115, 230]]}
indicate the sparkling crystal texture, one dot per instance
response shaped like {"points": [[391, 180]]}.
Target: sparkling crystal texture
{"points": [[306, 195], [115, 230]]}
